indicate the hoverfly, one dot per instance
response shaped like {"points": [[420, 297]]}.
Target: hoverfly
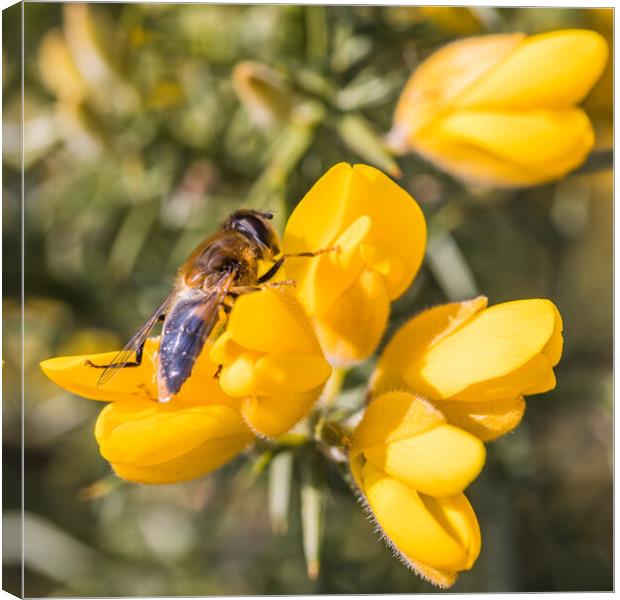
{"points": [[220, 268]]}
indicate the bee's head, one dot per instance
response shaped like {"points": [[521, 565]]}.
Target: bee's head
{"points": [[254, 225]]}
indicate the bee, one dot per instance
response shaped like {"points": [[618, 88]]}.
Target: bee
{"points": [[223, 266]]}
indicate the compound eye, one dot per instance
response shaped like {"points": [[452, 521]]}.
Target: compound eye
{"points": [[253, 228]]}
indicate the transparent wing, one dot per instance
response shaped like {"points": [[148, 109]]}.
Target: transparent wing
{"points": [[187, 328], [135, 343]]}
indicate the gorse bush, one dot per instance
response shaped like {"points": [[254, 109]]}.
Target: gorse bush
{"points": [[424, 171]]}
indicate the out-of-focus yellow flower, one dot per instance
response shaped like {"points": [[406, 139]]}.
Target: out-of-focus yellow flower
{"points": [[600, 101], [475, 363], [459, 20], [149, 442], [501, 109], [271, 360], [411, 468], [58, 70], [263, 91], [380, 234], [87, 38]]}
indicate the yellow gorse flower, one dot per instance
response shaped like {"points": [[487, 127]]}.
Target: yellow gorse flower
{"points": [[502, 109], [380, 233], [271, 360], [411, 468], [475, 363], [273, 372], [452, 377], [150, 442]]}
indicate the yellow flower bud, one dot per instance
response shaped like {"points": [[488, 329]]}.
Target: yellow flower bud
{"points": [[150, 442], [457, 20], [263, 92], [271, 360], [57, 68], [476, 363], [380, 235], [411, 468], [501, 109]]}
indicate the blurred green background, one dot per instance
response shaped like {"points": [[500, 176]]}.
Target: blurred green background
{"points": [[136, 146]]}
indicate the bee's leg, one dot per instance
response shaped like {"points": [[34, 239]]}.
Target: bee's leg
{"points": [[272, 271], [135, 363], [276, 266], [246, 289], [224, 308], [310, 254]]}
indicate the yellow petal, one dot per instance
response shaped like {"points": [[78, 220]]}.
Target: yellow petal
{"points": [[486, 420], [473, 164], [271, 320], [330, 274], [285, 373], [545, 383], [534, 377], [440, 578], [320, 215], [398, 224], [145, 433], [495, 343], [446, 74], [225, 350], [134, 383], [440, 462], [74, 375], [199, 461], [275, 414], [553, 349], [382, 259], [416, 337], [202, 387], [441, 533], [525, 138], [237, 379], [550, 70], [509, 148], [349, 241], [392, 417], [351, 330], [340, 198]]}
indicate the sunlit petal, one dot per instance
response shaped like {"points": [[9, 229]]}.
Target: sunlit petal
{"points": [[146, 433], [553, 70], [440, 462], [441, 533], [486, 420], [497, 342]]}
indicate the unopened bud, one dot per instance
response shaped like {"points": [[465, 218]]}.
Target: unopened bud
{"points": [[263, 92]]}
